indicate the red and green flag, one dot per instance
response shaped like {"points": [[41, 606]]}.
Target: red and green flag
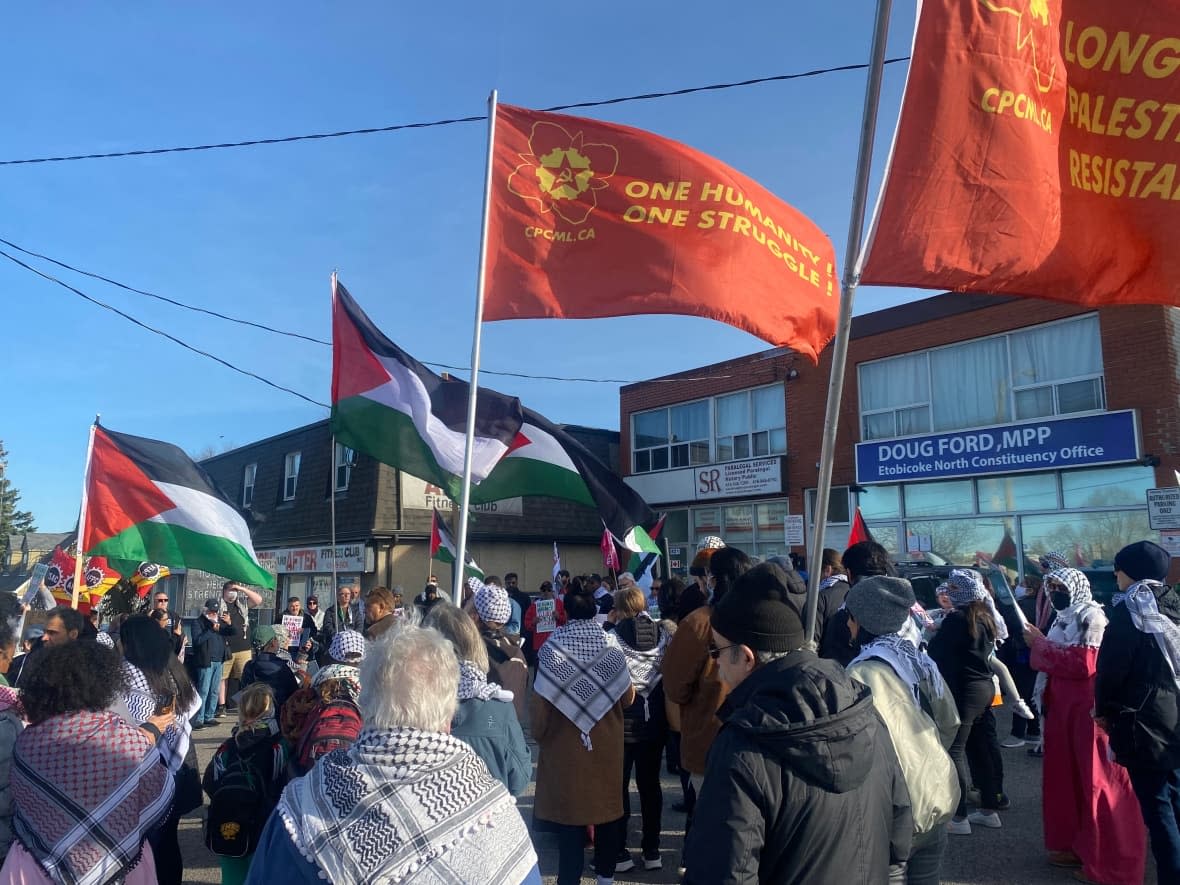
{"points": [[147, 501], [443, 546], [387, 404]]}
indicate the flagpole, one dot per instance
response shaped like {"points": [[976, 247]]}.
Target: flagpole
{"points": [[473, 382], [847, 294], [78, 560], [332, 503]]}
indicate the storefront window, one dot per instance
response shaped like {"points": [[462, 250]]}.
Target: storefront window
{"points": [[839, 510], [739, 525], [772, 520], [1024, 491], [963, 541], [1089, 540], [1107, 486], [676, 525], [879, 502], [705, 521], [939, 498]]}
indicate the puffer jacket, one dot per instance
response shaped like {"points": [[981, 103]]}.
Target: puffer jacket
{"points": [[920, 736], [1135, 693], [646, 720], [803, 785]]}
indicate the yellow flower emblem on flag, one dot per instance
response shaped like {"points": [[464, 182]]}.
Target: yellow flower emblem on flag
{"points": [[561, 173]]}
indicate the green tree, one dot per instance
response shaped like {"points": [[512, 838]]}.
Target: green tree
{"points": [[12, 521]]}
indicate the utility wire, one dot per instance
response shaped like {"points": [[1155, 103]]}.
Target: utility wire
{"points": [[256, 142], [267, 328], [160, 332]]}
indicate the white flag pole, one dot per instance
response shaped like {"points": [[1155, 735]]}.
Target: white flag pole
{"points": [[79, 560], [848, 286], [473, 382]]}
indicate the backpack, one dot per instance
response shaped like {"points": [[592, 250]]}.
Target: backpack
{"points": [[240, 802], [330, 726]]}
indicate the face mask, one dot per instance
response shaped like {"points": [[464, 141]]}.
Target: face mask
{"points": [[1060, 599], [231, 596]]}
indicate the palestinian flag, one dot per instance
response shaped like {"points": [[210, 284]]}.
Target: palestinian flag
{"points": [[859, 531], [545, 460], [147, 501], [443, 546], [387, 404]]}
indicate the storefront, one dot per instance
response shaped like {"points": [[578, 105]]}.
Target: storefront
{"points": [[303, 571]]}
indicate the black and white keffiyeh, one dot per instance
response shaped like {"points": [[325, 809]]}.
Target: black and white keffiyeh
{"points": [[1141, 603], [832, 580], [583, 673], [1081, 623], [407, 806], [644, 666], [142, 703], [965, 586], [473, 683], [913, 667]]}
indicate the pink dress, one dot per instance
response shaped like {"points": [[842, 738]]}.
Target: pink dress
{"points": [[1088, 805], [21, 869]]}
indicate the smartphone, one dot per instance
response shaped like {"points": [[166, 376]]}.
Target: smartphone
{"points": [[167, 705]]}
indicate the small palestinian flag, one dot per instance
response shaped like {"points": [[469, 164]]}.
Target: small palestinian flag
{"points": [[148, 501], [545, 460], [443, 546], [387, 404]]}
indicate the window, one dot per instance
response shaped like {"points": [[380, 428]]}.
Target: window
{"points": [[1107, 486], [345, 461], [747, 424], [290, 475], [1024, 491], [677, 436], [838, 509], [1051, 369], [248, 474]]}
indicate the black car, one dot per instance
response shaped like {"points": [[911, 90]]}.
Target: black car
{"points": [[926, 577]]}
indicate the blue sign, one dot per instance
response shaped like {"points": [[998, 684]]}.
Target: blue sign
{"points": [[1049, 444]]}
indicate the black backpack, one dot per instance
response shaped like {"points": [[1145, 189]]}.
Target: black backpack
{"points": [[240, 803]]}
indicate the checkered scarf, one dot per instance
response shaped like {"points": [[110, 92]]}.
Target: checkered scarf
{"points": [[473, 683], [87, 788], [965, 586], [912, 666], [1140, 601], [142, 703], [347, 677], [406, 806], [583, 673]]}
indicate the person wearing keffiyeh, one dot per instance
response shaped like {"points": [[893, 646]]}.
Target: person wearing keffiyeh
{"points": [[485, 719], [1089, 810], [1137, 693], [491, 609], [581, 690], [87, 785]]}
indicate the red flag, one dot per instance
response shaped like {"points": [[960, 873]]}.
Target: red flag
{"points": [[860, 531], [1005, 554], [610, 556], [592, 219], [1036, 153]]}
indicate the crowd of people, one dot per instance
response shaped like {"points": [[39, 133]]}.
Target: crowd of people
{"points": [[377, 741]]}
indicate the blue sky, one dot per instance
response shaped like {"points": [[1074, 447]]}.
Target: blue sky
{"points": [[256, 232]]}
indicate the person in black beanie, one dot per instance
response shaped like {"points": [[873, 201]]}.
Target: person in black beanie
{"points": [[1137, 693], [802, 783]]}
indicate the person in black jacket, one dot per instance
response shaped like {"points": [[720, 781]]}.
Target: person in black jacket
{"points": [[1137, 694], [209, 634], [271, 664], [803, 784], [865, 559]]}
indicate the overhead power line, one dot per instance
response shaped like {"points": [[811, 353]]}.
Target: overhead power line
{"points": [[263, 326], [397, 127]]}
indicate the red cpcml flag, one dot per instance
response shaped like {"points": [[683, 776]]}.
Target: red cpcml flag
{"points": [[610, 556], [1036, 153], [593, 219], [859, 531]]}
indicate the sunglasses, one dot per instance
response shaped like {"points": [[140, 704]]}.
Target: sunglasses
{"points": [[161, 599], [715, 652]]}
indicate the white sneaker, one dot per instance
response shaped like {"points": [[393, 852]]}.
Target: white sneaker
{"points": [[959, 827], [653, 863], [1012, 743], [985, 819], [1021, 709]]}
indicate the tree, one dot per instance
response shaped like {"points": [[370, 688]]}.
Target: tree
{"points": [[12, 521]]}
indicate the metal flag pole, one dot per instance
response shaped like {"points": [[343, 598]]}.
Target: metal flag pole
{"points": [[332, 502], [79, 559], [473, 383], [848, 286]]}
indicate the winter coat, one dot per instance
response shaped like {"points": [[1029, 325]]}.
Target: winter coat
{"points": [[209, 642], [1135, 692], [646, 720], [11, 725], [962, 658], [920, 737], [691, 679], [492, 730], [803, 784], [380, 627], [275, 671], [575, 785], [507, 668]]}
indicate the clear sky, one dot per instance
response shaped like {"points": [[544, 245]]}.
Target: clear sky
{"points": [[256, 232]]}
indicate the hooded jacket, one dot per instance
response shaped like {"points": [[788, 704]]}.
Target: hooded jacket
{"points": [[1135, 692], [802, 786], [275, 671]]}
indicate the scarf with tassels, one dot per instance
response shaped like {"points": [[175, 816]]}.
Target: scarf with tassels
{"points": [[1140, 600], [583, 673]]}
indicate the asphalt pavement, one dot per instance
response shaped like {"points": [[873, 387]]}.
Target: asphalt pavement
{"points": [[1013, 854]]}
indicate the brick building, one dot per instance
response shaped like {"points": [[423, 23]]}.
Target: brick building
{"points": [[970, 424], [383, 519]]}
